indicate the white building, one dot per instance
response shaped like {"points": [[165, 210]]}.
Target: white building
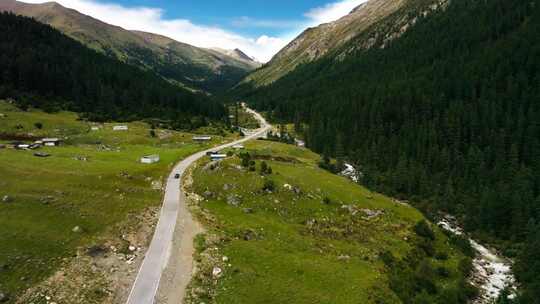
{"points": [[94, 128], [218, 156], [51, 142], [202, 138], [299, 143], [120, 128], [238, 147], [150, 159]]}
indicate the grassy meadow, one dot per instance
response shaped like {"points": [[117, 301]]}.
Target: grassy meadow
{"points": [[312, 237], [93, 181]]}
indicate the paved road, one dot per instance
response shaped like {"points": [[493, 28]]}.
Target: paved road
{"points": [[146, 284]]}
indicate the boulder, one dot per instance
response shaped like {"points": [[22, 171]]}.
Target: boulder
{"points": [[248, 210], [77, 229], [208, 194], [216, 272], [344, 257], [233, 200], [3, 297], [7, 199]]}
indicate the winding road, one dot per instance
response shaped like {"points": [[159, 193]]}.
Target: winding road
{"points": [[147, 282]]}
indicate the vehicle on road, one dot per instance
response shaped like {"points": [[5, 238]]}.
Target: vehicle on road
{"points": [[177, 176]]}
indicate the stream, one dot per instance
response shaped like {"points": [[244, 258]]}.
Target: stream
{"points": [[492, 272]]}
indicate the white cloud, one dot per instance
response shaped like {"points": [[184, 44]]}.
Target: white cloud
{"points": [[332, 11], [152, 20], [266, 23]]}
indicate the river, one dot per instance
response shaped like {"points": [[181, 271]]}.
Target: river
{"points": [[492, 272]]}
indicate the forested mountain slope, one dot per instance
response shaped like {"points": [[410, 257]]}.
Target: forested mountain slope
{"points": [[447, 114], [181, 63], [44, 68], [329, 38]]}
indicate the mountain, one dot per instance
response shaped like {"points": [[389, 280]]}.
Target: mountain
{"points": [[438, 103], [315, 42], [238, 54], [196, 68], [44, 68]]}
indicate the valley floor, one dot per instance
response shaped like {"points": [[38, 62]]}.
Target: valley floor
{"points": [[75, 224]]}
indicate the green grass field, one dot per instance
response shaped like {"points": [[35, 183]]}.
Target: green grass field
{"points": [[245, 120], [291, 245], [94, 181]]}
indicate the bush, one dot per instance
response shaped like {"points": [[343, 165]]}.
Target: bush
{"points": [[463, 244], [427, 246], [441, 256], [443, 272], [388, 258], [246, 158], [465, 266], [152, 133], [425, 277], [269, 185], [423, 229], [38, 125], [327, 200], [265, 168]]}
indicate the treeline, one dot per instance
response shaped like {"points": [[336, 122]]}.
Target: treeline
{"points": [[447, 115], [41, 67]]}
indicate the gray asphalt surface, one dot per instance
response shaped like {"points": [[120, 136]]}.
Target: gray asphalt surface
{"points": [[146, 284]]}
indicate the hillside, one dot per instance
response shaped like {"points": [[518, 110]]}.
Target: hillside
{"points": [[445, 114], [316, 42], [94, 181], [296, 233], [44, 68], [181, 63]]}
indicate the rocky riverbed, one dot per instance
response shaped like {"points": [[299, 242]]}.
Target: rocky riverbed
{"points": [[492, 272]]}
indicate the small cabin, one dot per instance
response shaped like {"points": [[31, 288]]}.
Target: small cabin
{"points": [[22, 146], [299, 143], [94, 128], [34, 146], [202, 138], [238, 147], [51, 142], [218, 156], [150, 159], [120, 128]]}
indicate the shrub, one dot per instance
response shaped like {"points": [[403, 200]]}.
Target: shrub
{"points": [[38, 125], [441, 256], [269, 185], [327, 200], [425, 277], [443, 272], [152, 133], [265, 169], [423, 229]]}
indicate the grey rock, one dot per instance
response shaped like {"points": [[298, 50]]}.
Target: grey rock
{"points": [[208, 194], [248, 210], [3, 297], [77, 229], [233, 200], [7, 199]]}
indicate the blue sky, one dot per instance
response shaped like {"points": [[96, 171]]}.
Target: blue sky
{"points": [[233, 15], [259, 28]]}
